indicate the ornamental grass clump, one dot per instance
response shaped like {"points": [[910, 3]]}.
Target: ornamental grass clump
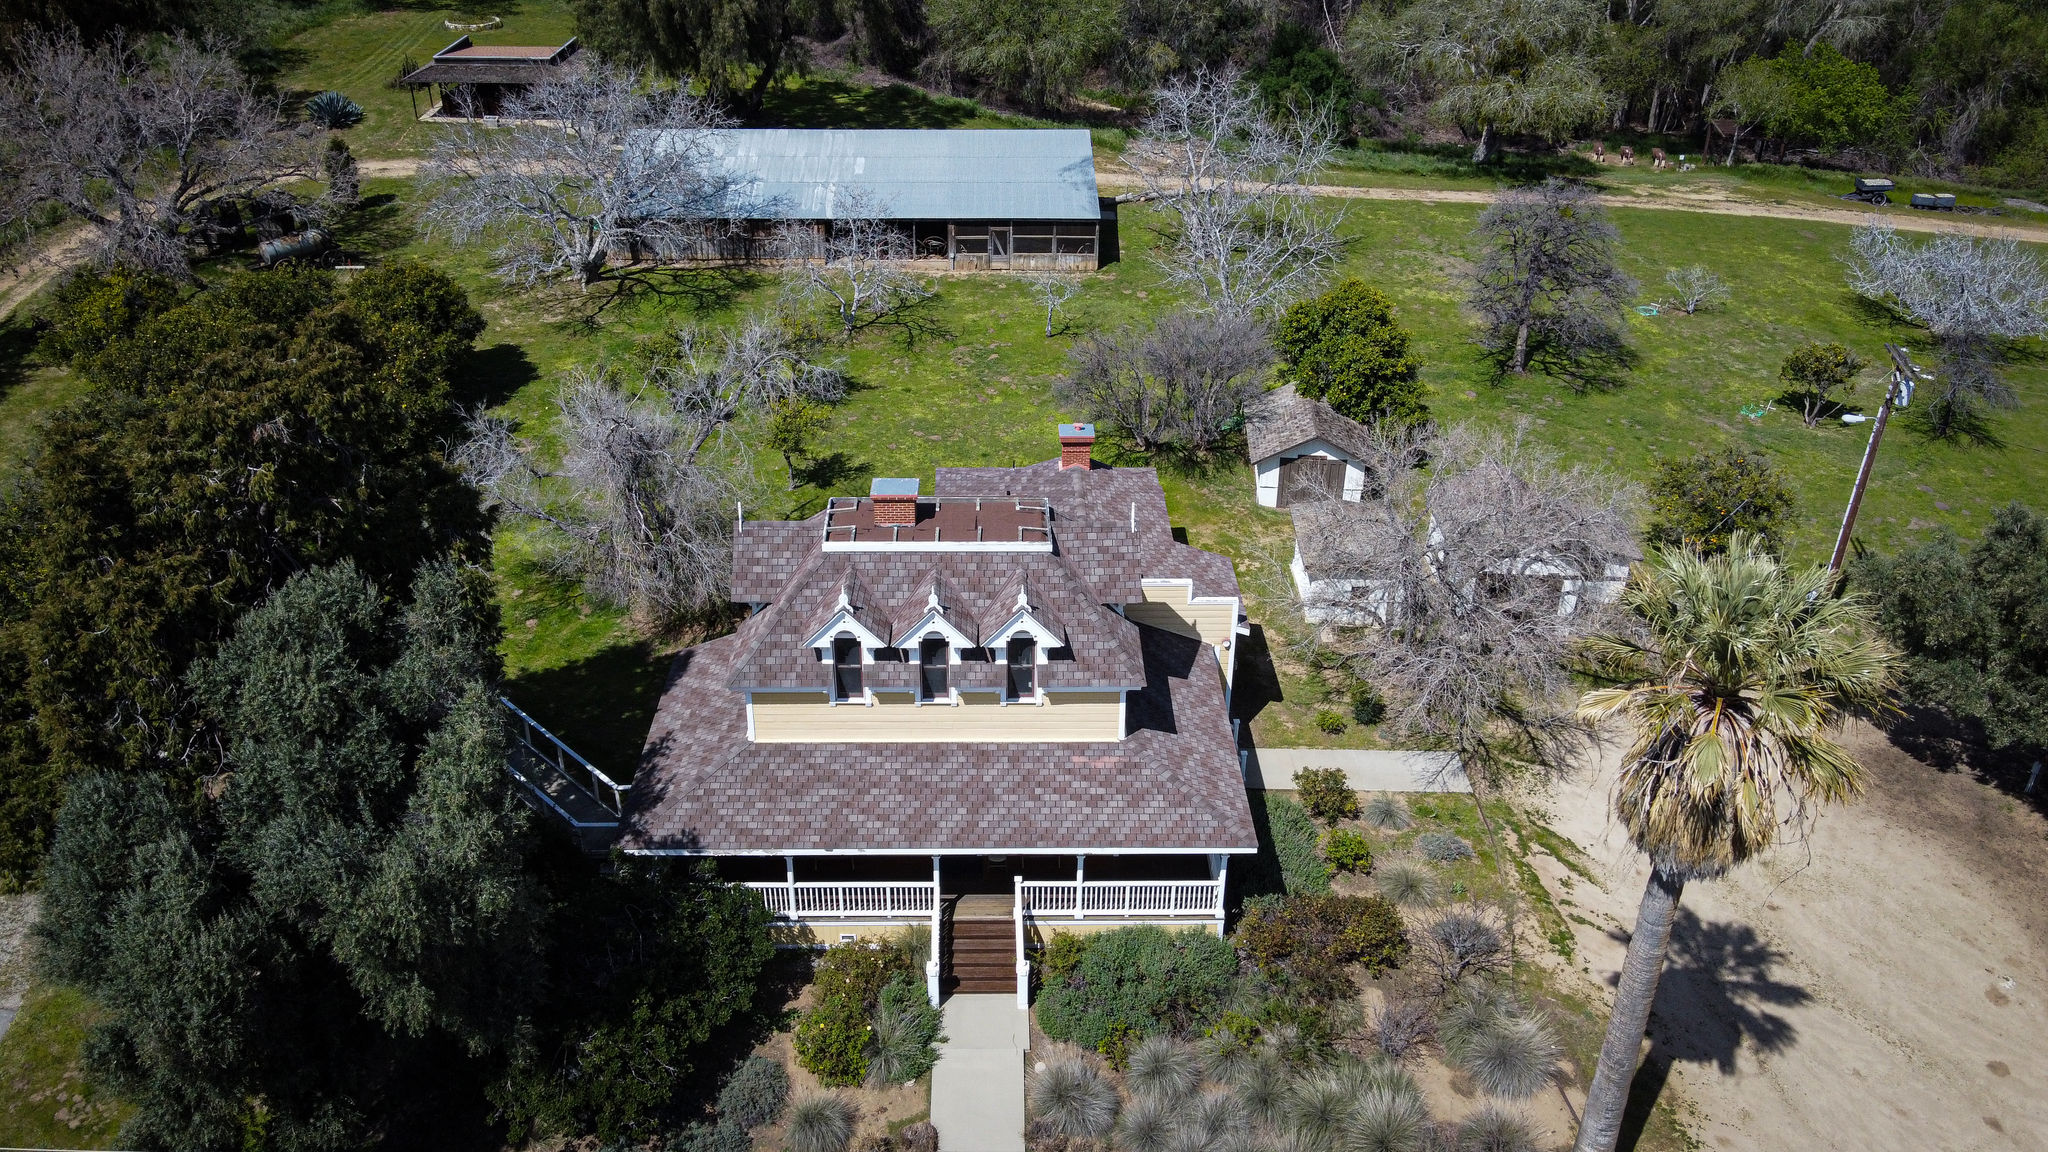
{"points": [[1386, 1120], [1163, 1069], [1073, 1100], [1145, 1126], [902, 1042], [1504, 1046], [1492, 1129], [1386, 814], [755, 1094], [1406, 883], [820, 1123]]}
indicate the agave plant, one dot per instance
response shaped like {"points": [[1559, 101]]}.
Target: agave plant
{"points": [[1163, 1069], [1386, 1120], [1493, 1130], [1072, 1098], [820, 1123], [333, 110], [1386, 814]]}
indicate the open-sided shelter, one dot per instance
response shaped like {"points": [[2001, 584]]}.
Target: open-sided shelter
{"points": [[474, 80]]}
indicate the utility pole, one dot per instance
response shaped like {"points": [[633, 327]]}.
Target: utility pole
{"points": [[1899, 389]]}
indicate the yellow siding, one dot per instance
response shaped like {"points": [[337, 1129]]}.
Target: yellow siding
{"points": [[793, 717], [1167, 608]]}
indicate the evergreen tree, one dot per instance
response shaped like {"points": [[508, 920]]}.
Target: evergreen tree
{"points": [[1344, 347]]}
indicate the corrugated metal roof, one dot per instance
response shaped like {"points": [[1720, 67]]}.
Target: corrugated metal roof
{"points": [[915, 174]]}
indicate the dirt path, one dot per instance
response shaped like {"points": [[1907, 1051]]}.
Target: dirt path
{"points": [[1884, 986], [22, 282], [1675, 201], [399, 168]]}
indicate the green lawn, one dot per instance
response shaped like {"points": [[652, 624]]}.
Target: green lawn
{"points": [[45, 1099]]}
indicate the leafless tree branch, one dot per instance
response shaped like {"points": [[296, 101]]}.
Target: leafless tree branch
{"points": [[859, 265], [1176, 384]]}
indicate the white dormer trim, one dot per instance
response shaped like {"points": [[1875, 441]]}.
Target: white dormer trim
{"points": [[1024, 623], [843, 621], [934, 620]]}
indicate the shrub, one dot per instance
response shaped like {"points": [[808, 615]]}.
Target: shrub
{"points": [[1162, 1068], [755, 1094], [919, 1137], [1061, 954], [1697, 287], [820, 1123], [1442, 847], [720, 1137], [1072, 1099], [334, 110], [1309, 939], [1303, 871], [1137, 982], [91, 310], [1401, 1025], [1505, 1048], [1329, 721], [1345, 349], [1368, 707], [1386, 814], [1347, 851], [1325, 794], [1461, 943], [831, 1037], [1701, 501], [901, 1046]]}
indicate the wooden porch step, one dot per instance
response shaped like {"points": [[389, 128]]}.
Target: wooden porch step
{"points": [[981, 956]]}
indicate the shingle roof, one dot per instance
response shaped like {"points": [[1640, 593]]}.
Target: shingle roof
{"points": [[1282, 419], [766, 553], [1172, 784], [915, 174]]}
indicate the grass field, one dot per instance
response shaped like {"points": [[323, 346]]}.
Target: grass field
{"points": [[45, 1099]]}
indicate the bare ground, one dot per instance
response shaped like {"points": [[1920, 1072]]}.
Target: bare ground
{"points": [[1882, 985]]}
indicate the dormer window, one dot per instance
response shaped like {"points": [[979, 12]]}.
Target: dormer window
{"points": [[1022, 656], [934, 652], [846, 668]]}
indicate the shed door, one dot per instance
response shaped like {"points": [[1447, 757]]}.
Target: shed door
{"points": [[999, 243], [1310, 478]]}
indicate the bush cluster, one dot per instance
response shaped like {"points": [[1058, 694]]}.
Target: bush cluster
{"points": [[1136, 982], [831, 1037], [1348, 851], [906, 1029], [1308, 940], [1325, 794], [1302, 867], [1329, 721], [1442, 847]]}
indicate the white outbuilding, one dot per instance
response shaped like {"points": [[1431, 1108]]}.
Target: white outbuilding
{"points": [[1303, 450]]}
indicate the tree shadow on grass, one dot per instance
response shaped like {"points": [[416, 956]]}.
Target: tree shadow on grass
{"points": [[696, 290], [1719, 991], [820, 103], [19, 338], [490, 376], [601, 705], [379, 223]]}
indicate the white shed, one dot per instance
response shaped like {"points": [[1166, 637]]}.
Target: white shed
{"points": [[1302, 450]]}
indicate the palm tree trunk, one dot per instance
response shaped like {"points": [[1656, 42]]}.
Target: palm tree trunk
{"points": [[1608, 1097]]}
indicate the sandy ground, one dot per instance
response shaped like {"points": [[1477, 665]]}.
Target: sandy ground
{"points": [[1883, 985]]}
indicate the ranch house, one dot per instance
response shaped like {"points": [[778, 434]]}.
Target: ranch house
{"points": [[991, 710]]}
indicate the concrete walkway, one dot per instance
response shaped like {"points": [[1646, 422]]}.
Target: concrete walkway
{"points": [[978, 1084]]}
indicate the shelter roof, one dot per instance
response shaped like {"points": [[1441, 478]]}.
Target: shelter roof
{"points": [[1284, 419]]}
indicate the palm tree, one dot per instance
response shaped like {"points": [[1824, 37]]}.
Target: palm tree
{"points": [[1741, 670]]}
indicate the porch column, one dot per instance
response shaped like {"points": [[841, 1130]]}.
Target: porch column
{"points": [[1080, 876], [1023, 965], [931, 966], [1221, 869], [789, 884]]}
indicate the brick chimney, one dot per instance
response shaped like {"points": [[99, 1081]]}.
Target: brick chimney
{"points": [[1077, 443], [895, 500]]}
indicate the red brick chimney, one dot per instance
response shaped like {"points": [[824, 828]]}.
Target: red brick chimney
{"points": [[1077, 444], [895, 500]]}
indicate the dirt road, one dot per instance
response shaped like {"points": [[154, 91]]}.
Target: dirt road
{"points": [[39, 269], [1716, 204], [1884, 986]]}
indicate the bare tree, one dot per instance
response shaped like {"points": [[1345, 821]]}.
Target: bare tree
{"points": [[1179, 383], [1053, 290], [138, 143], [581, 169], [1245, 234], [1973, 296], [1697, 287], [1478, 574], [859, 264], [1547, 284], [639, 511]]}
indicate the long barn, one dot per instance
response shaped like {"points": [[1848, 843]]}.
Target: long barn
{"points": [[1012, 199]]}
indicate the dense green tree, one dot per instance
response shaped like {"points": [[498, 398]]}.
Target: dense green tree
{"points": [[1299, 73], [1343, 347], [1702, 501], [1973, 622], [1821, 100], [737, 49], [265, 426], [348, 903], [1031, 52]]}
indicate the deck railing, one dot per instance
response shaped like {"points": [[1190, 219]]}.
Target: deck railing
{"points": [[810, 900], [546, 747], [1082, 899]]}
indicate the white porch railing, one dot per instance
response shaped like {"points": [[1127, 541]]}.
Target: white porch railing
{"points": [[1081, 899], [809, 900]]}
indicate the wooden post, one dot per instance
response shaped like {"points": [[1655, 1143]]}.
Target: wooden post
{"points": [[1080, 875], [931, 966], [789, 884], [1902, 379]]}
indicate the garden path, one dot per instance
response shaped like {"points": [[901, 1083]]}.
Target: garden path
{"points": [[978, 1083], [1883, 984]]}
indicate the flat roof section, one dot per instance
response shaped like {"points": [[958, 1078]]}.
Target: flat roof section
{"points": [[954, 523]]}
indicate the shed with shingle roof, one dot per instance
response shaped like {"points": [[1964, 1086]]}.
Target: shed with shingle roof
{"points": [[1303, 449]]}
